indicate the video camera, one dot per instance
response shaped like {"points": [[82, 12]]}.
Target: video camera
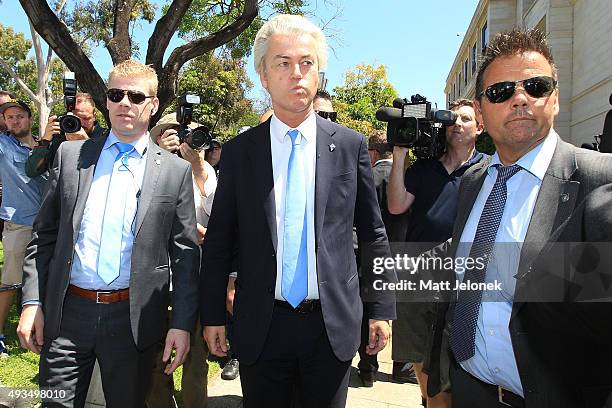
{"points": [[415, 124], [198, 138], [69, 123]]}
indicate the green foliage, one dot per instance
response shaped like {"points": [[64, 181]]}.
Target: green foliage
{"points": [[484, 143], [365, 89], [222, 84]]}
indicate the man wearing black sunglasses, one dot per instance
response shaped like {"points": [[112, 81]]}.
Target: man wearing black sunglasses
{"points": [[516, 349], [322, 105], [117, 216]]}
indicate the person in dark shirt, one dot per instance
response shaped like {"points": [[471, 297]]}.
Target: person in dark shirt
{"points": [[429, 189], [42, 155]]}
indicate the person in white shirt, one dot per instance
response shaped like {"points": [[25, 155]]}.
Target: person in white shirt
{"points": [[195, 370]]}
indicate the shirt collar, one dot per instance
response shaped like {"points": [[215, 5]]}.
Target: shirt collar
{"points": [[536, 161], [140, 145], [308, 128]]}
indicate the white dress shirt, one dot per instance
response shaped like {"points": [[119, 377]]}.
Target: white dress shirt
{"points": [[204, 199], [84, 272], [493, 360], [280, 143]]}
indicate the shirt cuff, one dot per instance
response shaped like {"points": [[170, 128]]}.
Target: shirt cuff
{"points": [[32, 302]]}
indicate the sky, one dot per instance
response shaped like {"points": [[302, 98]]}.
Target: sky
{"points": [[416, 40]]}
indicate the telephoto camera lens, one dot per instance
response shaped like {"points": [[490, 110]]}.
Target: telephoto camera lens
{"points": [[69, 123]]}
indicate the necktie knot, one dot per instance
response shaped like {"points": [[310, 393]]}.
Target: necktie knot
{"points": [[294, 135], [505, 172], [123, 148]]}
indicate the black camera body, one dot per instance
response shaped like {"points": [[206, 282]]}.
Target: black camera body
{"points": [[417, 125], [198, 138], [69, 122]]}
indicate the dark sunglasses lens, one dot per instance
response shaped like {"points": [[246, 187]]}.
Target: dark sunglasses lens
{"points": [[333, 116], [500, 92], [136, 97], [328, 115], [539, 86], [115, 95]]}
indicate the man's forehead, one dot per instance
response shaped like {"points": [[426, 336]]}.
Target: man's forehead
{"points": [[131, 83], [291, 46], [514, 66], [14, 110]]}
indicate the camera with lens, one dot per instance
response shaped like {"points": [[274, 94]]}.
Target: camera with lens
{"points": [[69, 122], [417, 125], [198, 138]]}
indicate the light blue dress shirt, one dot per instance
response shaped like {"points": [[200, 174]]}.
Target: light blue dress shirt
{"points": [[21, 195], [84, 272], [494, 361]]}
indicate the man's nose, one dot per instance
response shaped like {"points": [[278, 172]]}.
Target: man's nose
{"points": [[519, 98], [296, 71]]}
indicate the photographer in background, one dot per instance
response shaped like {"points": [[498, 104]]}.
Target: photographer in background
{"points": [[429, 189], [42, 155], [195, 369], [21, 201], [4, 97], [322, 105]]}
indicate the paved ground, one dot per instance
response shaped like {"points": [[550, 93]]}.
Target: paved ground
{"points": [[384, 394]]}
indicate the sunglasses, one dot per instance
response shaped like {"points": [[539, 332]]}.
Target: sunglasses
{"points": [[536, 87], [328, 115], [116, 95]]}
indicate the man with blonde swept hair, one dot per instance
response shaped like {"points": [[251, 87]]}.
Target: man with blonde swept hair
{"points": [[118, 215], [288, 193]]}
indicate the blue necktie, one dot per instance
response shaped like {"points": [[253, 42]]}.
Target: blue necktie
{"points": [[295, 258], [463, 330], [109, 257]]}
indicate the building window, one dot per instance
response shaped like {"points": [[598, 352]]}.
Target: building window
{"points": [[454, 93], [459, 84], [541, 26], [473, 59], [484, 37], [465, 72]]}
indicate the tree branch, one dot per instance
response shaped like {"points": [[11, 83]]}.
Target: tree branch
{"points": [[195, 48], [119, 46], [56, 34], [18, 80], [164, 30], [59, 9]]}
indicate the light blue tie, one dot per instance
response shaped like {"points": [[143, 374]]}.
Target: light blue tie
{"points": [[109, 257], [295, 259]]}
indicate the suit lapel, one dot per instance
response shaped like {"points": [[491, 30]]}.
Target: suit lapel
{"points": [[260, 158], [470, 187], [325, 170], [90, 153], [555, 203], [153, 168]]}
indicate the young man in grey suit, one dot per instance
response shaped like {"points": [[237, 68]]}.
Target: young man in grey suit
{"points": [[117, 216], [289, 190], [523, 344]]}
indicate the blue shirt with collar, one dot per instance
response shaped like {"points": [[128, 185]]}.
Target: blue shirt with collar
{"points": [[84, 272], [494, 361], [21, 195]]}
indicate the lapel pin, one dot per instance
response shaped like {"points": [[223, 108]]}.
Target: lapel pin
{"points": [[332, 147], [158, 162], [565, 198]]}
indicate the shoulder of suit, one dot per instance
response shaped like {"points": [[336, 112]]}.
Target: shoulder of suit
{"points": [[592, 164]]}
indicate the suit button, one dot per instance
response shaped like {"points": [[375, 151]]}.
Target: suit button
{"points": [[270, 290], [69, 262], [273, 255]]}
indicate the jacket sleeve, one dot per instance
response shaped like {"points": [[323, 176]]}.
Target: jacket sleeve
{"points": [[184, 255], [41, 248], [373, 242], [220, 245]]}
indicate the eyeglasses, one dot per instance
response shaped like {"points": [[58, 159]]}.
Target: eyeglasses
{"points": [[328, 115], [116, 95], [536, 87]]}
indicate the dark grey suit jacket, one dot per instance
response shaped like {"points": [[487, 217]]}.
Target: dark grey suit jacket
{"points": [[165, 239], [243, 216], [571, 177]]}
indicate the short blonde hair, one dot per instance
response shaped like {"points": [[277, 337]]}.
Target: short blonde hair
{"points": [[293, 25], [132, 68]]}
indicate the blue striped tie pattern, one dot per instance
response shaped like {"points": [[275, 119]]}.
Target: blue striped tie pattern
{"points": [[109, 257], [294, 285], [463, 329]]}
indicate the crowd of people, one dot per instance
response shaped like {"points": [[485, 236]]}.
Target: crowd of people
{"points": [[136, 250]]}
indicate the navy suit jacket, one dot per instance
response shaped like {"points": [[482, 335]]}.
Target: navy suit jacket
{"points": [[243, 216]]}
